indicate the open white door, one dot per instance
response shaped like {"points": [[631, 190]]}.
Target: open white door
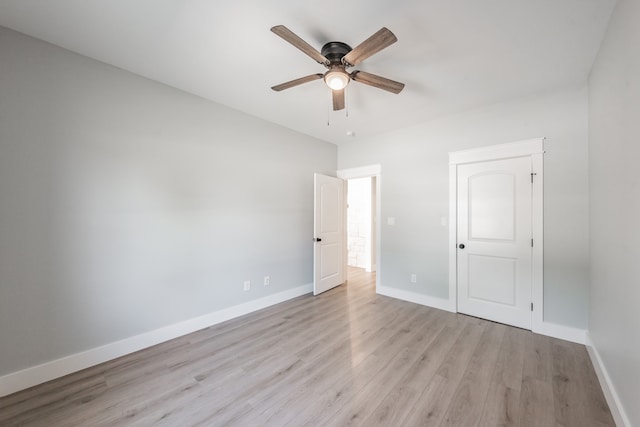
{"points": [[495, 240], [328, 225]]}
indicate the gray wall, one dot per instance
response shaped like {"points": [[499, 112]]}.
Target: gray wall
{"points": [[415, 191], [126, 205], [614, 180]]}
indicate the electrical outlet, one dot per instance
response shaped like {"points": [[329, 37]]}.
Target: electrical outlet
{"points": [[267, 280], [414, 278], [247, 285]]}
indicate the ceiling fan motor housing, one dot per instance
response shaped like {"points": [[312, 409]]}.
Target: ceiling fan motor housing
{"points": [[337, 77], [334, 51]]}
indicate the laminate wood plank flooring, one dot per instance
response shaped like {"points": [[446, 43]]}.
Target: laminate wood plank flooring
{"points": [[345, 357]]}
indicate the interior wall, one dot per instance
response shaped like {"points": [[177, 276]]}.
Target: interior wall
{"points": [[126, 205], [614, 152], [415, 193]]}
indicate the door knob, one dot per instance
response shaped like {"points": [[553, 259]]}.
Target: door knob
{"points": [[317, 239], [461, 245]]}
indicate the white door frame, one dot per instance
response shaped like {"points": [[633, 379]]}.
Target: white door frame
{"points": [[364, 172], [533, 148]]}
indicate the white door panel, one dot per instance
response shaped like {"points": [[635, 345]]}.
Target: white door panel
{"points": [[491, 206], [492, 279], [494, 237], [328, 251], [330, 256]]}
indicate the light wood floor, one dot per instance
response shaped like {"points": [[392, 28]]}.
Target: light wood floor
{"points": [[346, 357]]}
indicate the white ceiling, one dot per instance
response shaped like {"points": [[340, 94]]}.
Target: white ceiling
{"points": [[452, 55]]}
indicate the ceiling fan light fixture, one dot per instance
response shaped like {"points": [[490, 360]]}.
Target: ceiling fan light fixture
{"points": [[336, 79]]}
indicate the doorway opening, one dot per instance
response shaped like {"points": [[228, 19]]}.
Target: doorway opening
{"points": [[361, 223], [373, 173]]}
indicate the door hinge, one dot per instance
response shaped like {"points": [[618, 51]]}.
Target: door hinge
{"points": [[532, 174], [531, 242], [531, 306]]}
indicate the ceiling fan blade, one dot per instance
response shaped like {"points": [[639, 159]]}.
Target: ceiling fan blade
{"points": [[338, 99], [377, 81], [297, 82], [305, 47], [381, 39]]}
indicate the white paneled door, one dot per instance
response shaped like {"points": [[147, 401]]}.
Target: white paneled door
{"points": [[329, 229], [494, 240]]}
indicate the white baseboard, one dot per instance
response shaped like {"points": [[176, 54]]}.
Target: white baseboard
{"points": [[615, 406], [35, 375], [429, 301], [567, 333]]}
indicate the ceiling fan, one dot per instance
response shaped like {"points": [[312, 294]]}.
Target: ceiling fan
{"points": [[337, 57]]}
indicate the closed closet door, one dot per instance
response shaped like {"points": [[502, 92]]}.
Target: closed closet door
{"points": [[494, 254]]}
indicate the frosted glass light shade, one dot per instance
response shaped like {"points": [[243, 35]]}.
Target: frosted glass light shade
{"points": [[336, 80]]}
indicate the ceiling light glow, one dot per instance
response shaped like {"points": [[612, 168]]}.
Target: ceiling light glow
{"points": [[336, 79]]}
